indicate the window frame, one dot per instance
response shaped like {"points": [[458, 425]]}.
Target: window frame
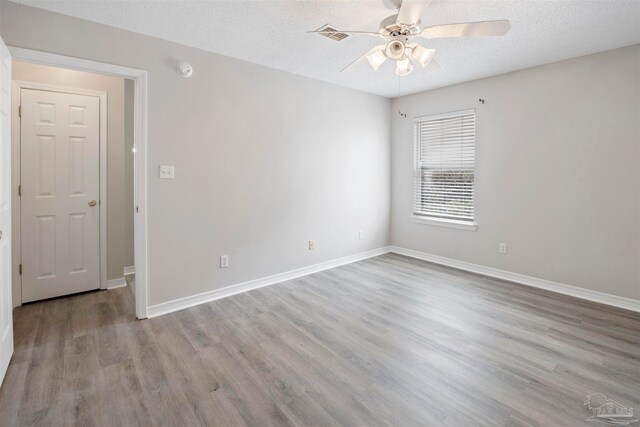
{"points": [[425, 218]]}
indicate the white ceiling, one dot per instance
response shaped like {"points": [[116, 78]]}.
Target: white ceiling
{"points": [[273, 33]]}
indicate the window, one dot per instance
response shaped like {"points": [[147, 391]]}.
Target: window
{"points": [[444, 175]]}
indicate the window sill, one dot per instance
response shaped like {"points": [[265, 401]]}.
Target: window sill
{"points": [[450, 223]]}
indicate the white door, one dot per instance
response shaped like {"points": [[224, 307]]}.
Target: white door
{"points": [[60, 184], [6, 307]]}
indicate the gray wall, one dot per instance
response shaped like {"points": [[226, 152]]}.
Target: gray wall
{"points": [[265, 160], [557, 172], [118, 183]]}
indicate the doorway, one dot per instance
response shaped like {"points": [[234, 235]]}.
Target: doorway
{"points": [[139, 88]]}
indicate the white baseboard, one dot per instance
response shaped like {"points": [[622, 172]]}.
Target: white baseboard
{"points": [[186, 302], [600, 297], [128, 271], [190, 301], [116, 283]]}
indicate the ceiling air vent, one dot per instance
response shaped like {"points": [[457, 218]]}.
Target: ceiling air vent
{"points": [[332, 33]]}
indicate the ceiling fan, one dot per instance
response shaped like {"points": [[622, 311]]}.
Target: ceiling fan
{"points": [[399, 31]]}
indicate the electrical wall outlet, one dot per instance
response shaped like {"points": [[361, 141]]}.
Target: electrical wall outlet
{"points": [[224, 261], [312, 245], [502, 248], [361, 234], [167, 172]]}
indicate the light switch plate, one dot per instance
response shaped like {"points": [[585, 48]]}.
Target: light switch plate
{"points": [[167, 172]]}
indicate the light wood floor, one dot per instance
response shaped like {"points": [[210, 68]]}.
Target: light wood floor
{"points": [[386, 341]]}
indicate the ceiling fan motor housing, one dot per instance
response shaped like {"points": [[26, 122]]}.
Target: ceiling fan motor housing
{"points": [[390, 27]]}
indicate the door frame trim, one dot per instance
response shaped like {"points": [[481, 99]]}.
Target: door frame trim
{"points": [[16, 138], [140, 143]]}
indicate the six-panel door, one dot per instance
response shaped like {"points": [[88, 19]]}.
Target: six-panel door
{"points": [[60, 161]]}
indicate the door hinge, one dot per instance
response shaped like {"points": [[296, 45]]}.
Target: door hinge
{"points": [[137, 209], [20, 111], [20, 269], [19, 190]]}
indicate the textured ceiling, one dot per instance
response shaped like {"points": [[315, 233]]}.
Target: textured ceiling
{"points": [[273, 33]]}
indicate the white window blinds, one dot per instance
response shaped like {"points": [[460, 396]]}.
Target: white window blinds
{"points": [[445, 157]]}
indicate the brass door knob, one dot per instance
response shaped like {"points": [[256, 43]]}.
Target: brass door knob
{"points": [[92, 203]]}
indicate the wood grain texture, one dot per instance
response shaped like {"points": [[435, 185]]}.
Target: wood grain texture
{"points": [[386, 341]]}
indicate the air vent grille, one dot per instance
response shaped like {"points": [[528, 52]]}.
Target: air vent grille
{"points": [[333, 34]]}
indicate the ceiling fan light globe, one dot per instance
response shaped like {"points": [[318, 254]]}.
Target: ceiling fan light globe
{"points": [[422, 55], [403, 67], [394, 49], [376, 59]]}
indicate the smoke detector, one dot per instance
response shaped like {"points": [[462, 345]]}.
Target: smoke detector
{"points": [[184, 69]]}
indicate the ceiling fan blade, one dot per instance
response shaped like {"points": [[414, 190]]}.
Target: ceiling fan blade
{"points": [[468, 29], [366, 33], [363, 58], [410, 11]]}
